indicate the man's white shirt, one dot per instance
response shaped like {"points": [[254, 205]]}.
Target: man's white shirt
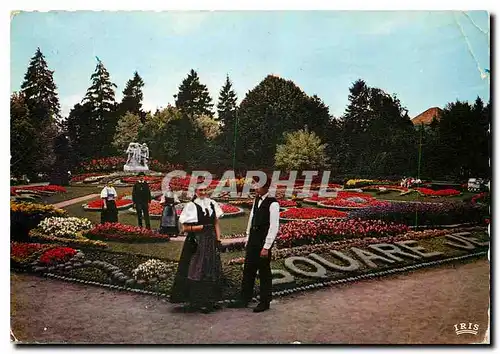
{"points": [[274, 221]]}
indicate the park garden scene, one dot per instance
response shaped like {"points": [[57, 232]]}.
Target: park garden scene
{"points": [[364, 195]]}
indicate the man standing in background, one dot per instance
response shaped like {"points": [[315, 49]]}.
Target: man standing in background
{"points": [[141, 197]]}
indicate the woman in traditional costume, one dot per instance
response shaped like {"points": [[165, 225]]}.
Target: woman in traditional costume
{"points": [[169, 218], [199, 273], [109, 212]]}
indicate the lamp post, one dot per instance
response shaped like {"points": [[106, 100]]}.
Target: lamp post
{"points": [[235, 134]]}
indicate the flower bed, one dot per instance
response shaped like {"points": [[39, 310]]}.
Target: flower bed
{"points": [[78, 240], [365, 241], [148, 179], [26, 216], [352, 202], [482, 198], [156, 209], [297, 233], [124, 233], [439, 193], [38, 189], [56, 255], [22, 253], [154, 269], [82, 176], [311, 213], [287, 203], [122, 202], [431, 214], [314, 199], [64, 227]]}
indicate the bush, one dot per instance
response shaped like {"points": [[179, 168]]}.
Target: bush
{"points": [[26, 216]]}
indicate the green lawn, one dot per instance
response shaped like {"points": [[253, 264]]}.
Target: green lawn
{"points": [[79, 191]]}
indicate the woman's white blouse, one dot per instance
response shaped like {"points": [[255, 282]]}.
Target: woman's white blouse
{"points": [[190, 215], [108, 193]]}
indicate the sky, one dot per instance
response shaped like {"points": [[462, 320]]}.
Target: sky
{"points": [[427, 58]]}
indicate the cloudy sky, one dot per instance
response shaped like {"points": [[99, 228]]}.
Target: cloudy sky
{"points": [[427, 58]]}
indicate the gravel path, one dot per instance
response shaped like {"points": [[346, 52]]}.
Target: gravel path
{"points": [[75, 200], [419, 307]]}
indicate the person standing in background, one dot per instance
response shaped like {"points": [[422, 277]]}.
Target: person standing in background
{"points": [[109, 212], [141, 197]]}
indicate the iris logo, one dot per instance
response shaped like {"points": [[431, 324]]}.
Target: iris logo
{"points": [[470, 328]]}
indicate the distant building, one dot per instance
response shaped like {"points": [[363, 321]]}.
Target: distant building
{"points": [[427, 116]]}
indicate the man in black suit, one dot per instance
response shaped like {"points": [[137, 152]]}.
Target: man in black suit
{"points": [[141, 197], [262, 229]]}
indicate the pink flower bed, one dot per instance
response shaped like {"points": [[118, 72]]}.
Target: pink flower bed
{"points": [[297, 233], [311, 213]]}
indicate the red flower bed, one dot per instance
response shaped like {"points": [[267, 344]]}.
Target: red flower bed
{"points": [[229, 209], [287, 203], [114, 163], [297, 233], [148, 179], [83, 176], [439, 193], [50, 188], [120, 203], [182, 183], [362, 202], [316, 198], [311, 213], [124, 233], [57, 255], [21, 252], [344, 194], [155, 208], [478, 197]]}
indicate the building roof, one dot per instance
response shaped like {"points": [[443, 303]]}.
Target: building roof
{"points": [[427, 116]]}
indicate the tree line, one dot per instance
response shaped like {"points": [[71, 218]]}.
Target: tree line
{"points": [[275, 125]]}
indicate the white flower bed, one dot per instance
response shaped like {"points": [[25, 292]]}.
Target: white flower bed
{"points": [[64, 227], [152, 268]]}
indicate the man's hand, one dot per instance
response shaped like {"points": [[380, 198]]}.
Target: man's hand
{"points": [[264, 253]]}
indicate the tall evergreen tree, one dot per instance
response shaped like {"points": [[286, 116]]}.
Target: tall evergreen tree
{"points": [[81, 132], [23, 142], [226, 108], [193, 98], [39, 91], [100, 97], [132, 98], [40, 96]]}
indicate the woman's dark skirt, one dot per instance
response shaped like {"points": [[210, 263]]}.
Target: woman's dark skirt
{"points": [[110, 214], [198, 278], [168, 222]]}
